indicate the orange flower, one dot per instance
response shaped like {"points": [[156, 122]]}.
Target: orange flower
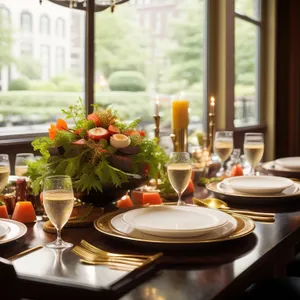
{"points": [[61, 124], [52, 131]]}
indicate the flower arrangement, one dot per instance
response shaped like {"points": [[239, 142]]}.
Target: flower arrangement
{"points": [[98, 151]]}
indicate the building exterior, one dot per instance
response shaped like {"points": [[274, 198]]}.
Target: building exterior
{"points": [[40, 31]]}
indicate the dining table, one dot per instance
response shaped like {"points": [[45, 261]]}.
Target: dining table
{"points": [[216, 271]]}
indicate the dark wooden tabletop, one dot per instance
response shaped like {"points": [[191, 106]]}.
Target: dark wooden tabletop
{"points": [[216, 272]]}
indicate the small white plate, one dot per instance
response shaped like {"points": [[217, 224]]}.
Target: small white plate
{"points": [[16, 230], [292, 163], [119, 225], [4, 229], [259, 184], [175, 221]]}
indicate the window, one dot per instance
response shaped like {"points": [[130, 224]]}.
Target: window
{"points": [[36, 67], [60, 60], [60, 27], [247, 62], [26, 22], [135, 64], [26, 49], [44, 25], [45, 61]]}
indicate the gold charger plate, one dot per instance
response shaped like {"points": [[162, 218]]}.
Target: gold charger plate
{"points": [[227, 194], [245, 226], [278, 170], [17, 230]]}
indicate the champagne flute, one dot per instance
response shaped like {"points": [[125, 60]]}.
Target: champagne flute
{"points": [[21, 163], [223, 146], [253, 149], [179, 170], [4, 171], [58, 199]]}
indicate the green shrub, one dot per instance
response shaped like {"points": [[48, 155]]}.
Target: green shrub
{"points": [[57, 79], [132, 81], [69, 86], [39, 85], [20, 84]]}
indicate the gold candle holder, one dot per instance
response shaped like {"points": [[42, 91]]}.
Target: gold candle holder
{"points": [[211, 131], [180, 139], [157, 125]]}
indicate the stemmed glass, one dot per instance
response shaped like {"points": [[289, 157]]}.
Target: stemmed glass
{"points": [[58, 199], [253, 149], [4, 171], [179, 170], [21, 163], [223, 146]]}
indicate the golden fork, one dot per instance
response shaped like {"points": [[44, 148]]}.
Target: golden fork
{"points": [[98, 251], [87, 256]]}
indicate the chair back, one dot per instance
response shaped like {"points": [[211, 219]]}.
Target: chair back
{"points": [[8, 280]]}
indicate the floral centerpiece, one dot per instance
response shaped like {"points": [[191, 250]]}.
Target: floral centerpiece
{"points": [[100, 152]]}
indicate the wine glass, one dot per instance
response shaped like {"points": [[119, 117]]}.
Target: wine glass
{"points": [[253, 149], [4, 171], [58, 199], [179, 170], [223, 146], [21, 163]]}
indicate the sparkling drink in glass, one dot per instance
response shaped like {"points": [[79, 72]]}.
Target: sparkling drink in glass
{"points": [[58, 199], [179, 170], [4, 171], [254, 149], [223, 146], [21, 163]]}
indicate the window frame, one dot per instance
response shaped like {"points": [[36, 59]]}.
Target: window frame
{"points": [[26, 13], [45, 18]]}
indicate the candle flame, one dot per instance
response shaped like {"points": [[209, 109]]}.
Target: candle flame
{"points": [[212, 101]]}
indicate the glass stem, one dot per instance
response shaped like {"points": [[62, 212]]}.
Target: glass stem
{"points": [[180, 202], [58, 237]]}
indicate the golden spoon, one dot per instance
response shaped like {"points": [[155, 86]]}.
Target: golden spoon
{"points": [[219, 204]]}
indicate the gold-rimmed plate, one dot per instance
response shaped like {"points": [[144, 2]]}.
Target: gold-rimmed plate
{"points": [[17, 230], [244, 227], [225, 192], [277, 170]]}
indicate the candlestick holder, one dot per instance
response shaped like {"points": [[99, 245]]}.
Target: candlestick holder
{"points": [[180, 139], [156, 130], [211, 131]]}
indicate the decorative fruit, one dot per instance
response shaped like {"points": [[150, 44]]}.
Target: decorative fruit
{"points": [[119, 141], [130, 132], [151, 198], [113, 129], [95, 118], [124, 202], [79, 142], [237, 170], [24, 212], [98, 133], [142, 133], [61, 124], [137, 197], [3, 210]]}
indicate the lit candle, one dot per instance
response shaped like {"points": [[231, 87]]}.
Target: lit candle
{"points": [[212, 105], [180, 115], [157, 106]]}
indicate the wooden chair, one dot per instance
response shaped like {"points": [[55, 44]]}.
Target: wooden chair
{"points": [[8, 280]]}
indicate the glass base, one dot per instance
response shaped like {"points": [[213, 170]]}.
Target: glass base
{"points": [[180, 202], [59, 245]]}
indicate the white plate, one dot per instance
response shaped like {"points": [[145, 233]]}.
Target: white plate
{"points": [[17, 230], [259, 184], [4, 229], [119, 225], [175, 221], [292, 163]]}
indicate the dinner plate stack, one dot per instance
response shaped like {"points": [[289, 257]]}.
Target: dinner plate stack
{"points": [[287, 167], [256, 189], [11, 230], [178, 226]]}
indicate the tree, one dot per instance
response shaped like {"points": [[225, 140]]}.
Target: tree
{"points": [[187, 43], [5, 41], [119, 42]]}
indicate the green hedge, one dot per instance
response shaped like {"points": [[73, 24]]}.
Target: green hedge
{"points": [[20, 84], [129, 105], [132, 81]]}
